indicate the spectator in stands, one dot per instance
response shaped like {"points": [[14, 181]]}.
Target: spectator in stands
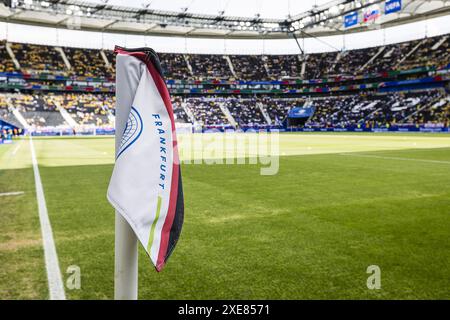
{"points": [[35, 58], [6, 64], [249, 67], [87, 63], [206, 66]]}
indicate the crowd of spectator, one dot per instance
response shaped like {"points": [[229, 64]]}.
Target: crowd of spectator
{"points": [[319, 65], [283, 66], [376, 110], [392, 55], [111, 66], [36, 58], [437, 113], [246, 112], [352, 62], [368, 109], [6, 63], [207, 66], [87, 62], [277, 108], [206, 111], [434, 51], [87, 109], [248, 67], [5, 112], [409, 107], [41, 110], [36, 110], [180, 114], [174, 66]]}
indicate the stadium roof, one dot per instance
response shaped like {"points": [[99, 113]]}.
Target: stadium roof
{"points": [[268, 19]]}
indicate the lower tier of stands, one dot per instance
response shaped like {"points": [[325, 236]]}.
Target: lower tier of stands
{"points": [[367, 110]]}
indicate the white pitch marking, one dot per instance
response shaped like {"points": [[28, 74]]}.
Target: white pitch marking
{"points": [[393, 158], [55, 283], [16, 148], [15, 193]]}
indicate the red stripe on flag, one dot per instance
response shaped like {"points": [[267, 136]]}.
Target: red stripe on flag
{"points": [[165, 232]]}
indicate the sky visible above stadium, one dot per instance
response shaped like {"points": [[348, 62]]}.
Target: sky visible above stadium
{"points": [[278, 9]]}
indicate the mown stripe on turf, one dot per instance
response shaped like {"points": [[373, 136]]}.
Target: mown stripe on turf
{"points": [[394, 158], [13, 153], [14, 193], [55, 283]]}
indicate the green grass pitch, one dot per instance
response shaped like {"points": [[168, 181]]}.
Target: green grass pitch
{"points": [[339, 203]]}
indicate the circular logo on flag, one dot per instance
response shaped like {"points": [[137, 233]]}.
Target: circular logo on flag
{"points": [[133, 130]]}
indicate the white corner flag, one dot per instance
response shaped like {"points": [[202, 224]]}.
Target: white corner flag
{"points": [[145, 186]]}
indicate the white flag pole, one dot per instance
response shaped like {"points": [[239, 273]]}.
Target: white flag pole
{"points": [[126, 261], [126, 244]]}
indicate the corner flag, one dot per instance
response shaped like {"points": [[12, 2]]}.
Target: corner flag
{"points": [[145, 186]]}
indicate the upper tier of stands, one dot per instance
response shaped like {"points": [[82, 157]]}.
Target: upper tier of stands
{"points": [[33, 57], [433, 51]]}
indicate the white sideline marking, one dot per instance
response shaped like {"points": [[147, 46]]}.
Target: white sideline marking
{"points": [[15, 193], [393, 158], [55, 283]]}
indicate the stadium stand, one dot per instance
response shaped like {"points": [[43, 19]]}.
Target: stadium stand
{"points": [[6, 114], [6, 63], [174, 66], [318, 65], [376, 110], [249, 67], [86, 109], [421, 105], [35, 58], [111, 60], [373, 110], [210, 66], [400, 107], [278, 108], [432, 52], [37, 110], [392, 56], [245, 111], [283, 66], [352, 62], [179, 112], [206, 111], [87, 62], [437, 113]]}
